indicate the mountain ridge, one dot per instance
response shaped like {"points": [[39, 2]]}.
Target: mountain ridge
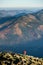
{"points": [[22, 27]]}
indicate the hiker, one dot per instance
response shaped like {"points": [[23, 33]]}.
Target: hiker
{"points": [[24, 52]]}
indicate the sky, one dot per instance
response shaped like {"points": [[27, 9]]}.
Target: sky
{"points": [[21, 3]]}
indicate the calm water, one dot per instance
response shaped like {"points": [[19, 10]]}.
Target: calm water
{"points": [[34, 48]]}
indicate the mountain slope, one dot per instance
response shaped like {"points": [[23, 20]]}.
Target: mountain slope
{"points": [[21, 27]]}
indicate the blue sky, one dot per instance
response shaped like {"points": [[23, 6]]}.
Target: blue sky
{"points": [[21, 3]]}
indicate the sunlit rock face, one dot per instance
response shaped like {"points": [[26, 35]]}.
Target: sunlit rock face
{"points": [[21, 27], [40, 27]]}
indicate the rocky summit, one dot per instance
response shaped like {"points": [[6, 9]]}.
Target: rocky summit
{"points": [[19, 59]]}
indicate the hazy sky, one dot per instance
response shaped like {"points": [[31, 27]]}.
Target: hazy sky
{"points": [[21, 3]]}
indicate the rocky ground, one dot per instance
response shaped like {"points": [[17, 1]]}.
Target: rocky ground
{"points": [[19, 59]]}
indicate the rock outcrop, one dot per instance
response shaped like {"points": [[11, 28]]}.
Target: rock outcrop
{"points": [[19, 59]]}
